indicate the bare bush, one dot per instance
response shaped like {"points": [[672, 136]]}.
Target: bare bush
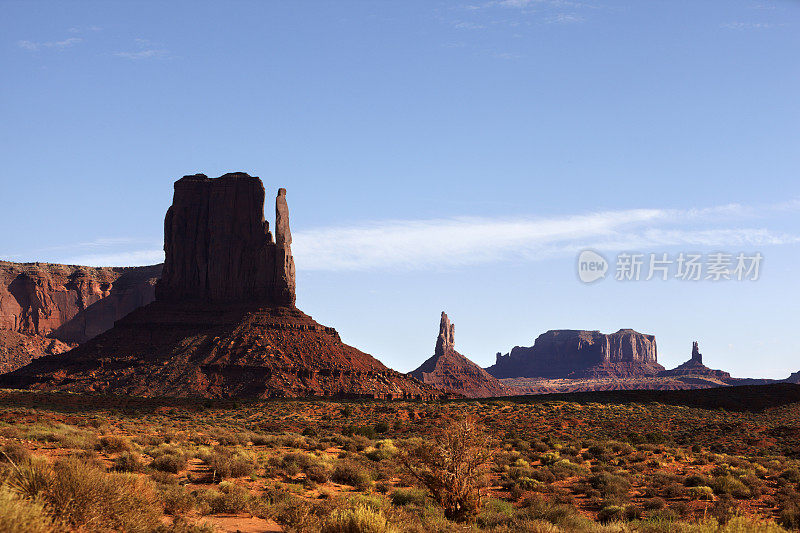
{"points": [[451, 466]]}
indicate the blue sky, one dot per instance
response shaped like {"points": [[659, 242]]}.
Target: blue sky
{"points": [[438, 156]]}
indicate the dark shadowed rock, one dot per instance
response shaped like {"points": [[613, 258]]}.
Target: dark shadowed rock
{"points": [[218, 247], [449, 370], [581, 354], [224, 322]]}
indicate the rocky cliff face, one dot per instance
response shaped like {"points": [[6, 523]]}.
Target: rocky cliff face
{"points": [[449, 370], [70, 303], [224, 322], [19, 349], [218, 246], [581, 354], [695, 367]]}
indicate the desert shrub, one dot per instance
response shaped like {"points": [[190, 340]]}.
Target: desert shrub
{"points": [[128, 462], [654, 504], [84, 496], [114, 443], [611, 513], [495, 513], [700, 493], [610, 485], [451, 466], [360, 519], [696, 480], [14, 453], [789, 515], [318, 473], [724, 508], [563, 515], [353, 475], [31, 478], [177, 500], [792, 475], [411, 496], [225, 463], [20, 515], [383, 449], [230, 498], [169, 463], [732, 486]]}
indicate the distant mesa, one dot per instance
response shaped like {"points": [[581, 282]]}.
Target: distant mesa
{"points": [[49, 308], [224, 321], [450, 371], [695, 367], [566, 353]]}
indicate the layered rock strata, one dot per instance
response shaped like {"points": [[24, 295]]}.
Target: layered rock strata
{"points": [[68, 302], [581, 354]]}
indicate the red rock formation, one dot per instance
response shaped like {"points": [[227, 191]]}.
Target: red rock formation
{"points": [[581, 354], [695, 367], [224, 322], [70, 303], [218, 246], [449, 370], [19, 349]]}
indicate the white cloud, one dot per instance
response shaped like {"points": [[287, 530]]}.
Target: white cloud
{"points": [[564, 18], [437, 243], [130, 258], [747, 25], [147, 50], [150, 53], [34, 46], [461, 241]]}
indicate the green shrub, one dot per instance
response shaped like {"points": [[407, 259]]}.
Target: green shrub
{"points": [[611, 513], [411, 496], [700, 493], [353, 475], [361, 519], [495, 513], [730, 485]]}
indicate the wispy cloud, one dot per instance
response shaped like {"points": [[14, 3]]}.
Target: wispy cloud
{"points": [[78, 29], [445, 243], [130, 258], [462, 241], [564, 18], [147, 49], [40, 45], [747, 25]]}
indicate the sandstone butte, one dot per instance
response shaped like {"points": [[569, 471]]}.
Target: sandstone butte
{"points": [[450, 371], [223, 323], [569, 353]]}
